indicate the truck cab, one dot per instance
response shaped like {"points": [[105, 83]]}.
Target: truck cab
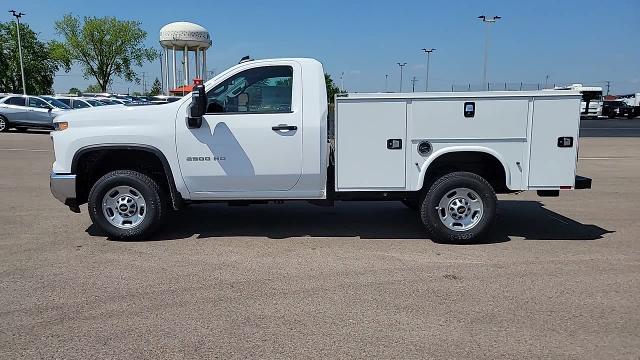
{"points": [[258, 132]]}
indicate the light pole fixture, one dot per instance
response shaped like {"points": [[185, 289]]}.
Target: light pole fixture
{"points": [[18, 15], [428, 52], [487, 20], [401, 66]]}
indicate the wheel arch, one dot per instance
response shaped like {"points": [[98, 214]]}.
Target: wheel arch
{"points": [[438, 156], [103, 150]]}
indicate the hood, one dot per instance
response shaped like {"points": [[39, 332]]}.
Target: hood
{"points": [[118, 115]]}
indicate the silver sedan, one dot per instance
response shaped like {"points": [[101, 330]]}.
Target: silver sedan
{"points": [[22, 112]]}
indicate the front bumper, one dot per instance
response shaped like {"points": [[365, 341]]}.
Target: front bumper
{"points": [[63, 188]]}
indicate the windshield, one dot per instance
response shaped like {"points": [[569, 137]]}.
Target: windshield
{"points": [[94, 102], [591, 95], [55, 102]]}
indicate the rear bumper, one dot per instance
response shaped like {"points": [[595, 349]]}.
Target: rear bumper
{"points": [[63, 188], [582, 183]]}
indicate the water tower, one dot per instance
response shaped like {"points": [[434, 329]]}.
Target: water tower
{"points": [[185, 37]]}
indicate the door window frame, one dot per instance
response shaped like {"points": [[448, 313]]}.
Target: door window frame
{"points": [[296, 95]]}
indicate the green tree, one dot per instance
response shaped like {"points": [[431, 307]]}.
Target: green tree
{"points": [[93, 88], [332, 89], [39, 64], [156, 88], [104, 47], [75, 90]]}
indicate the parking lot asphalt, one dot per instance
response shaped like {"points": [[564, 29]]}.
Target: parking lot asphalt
{"points": [[559, 278]]}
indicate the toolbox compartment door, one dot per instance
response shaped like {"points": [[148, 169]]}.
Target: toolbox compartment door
{"points": [[370, 144], [554, 142]]}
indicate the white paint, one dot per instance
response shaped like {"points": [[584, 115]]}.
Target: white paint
{"points": [[519, 129]]}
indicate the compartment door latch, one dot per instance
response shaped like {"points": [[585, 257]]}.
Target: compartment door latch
{"points": [[394, 144]]}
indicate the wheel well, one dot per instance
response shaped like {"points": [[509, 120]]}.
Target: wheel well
{"points": [[92, 164], [483, 164]]}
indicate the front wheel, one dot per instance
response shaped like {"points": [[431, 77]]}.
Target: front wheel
{"points": [[126, 205], [460, 207], [4, 124]]}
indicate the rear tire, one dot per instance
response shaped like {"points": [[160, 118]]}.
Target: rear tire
{"points": [[4, 124], [127, 205], [459, 208]]}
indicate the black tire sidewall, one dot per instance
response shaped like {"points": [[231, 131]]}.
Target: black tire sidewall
{"points": [[145, 185], [440, 188], [6, 124]]}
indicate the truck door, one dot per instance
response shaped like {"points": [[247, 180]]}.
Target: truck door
{"points": [[251, 134]]}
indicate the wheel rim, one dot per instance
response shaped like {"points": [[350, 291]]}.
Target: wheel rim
{"points": [[3, 124], [124, 207], [460, 209]]}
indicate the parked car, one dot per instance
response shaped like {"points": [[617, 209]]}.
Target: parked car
{"points": [[78, 102], [617, 108], [22, 112]]}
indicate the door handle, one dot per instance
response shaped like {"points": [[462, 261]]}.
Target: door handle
{"points": [[284, 127]]}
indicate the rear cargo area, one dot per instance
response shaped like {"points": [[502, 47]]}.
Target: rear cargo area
{"points": [[534, 135]]}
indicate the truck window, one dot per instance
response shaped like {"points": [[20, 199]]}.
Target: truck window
{"points": [[260, 90]]}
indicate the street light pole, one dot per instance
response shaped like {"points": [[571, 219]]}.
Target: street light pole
{"points": [[18, 15], [413, 84], [488, 21], [401, 66], [386, 82], [342, 82], [426, 81]]}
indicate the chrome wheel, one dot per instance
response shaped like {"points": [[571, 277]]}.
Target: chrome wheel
{"points": [[3, 124], [460, 209], [124, 207]]}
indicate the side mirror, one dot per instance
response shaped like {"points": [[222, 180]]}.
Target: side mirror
{"points": [[198, 106]]}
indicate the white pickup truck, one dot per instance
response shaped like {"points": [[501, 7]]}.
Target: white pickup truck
{"points": [[259, 132]]}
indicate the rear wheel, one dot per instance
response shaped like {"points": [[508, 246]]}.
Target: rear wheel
{"points": [[459, 207], [126, 205], [4, 124]]}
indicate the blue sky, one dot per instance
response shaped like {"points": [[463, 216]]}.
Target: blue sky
{"points": [[571, 41]]}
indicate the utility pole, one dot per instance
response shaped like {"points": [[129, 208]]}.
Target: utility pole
{"points": [[18, 15], [608, 86], [342, 82], [386, 82], [546, 81], [401, 66], [426, 81], [488, 21], [144, 84], [413, 84]]}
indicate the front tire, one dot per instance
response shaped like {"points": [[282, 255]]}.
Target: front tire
{"points": [[4, 124], [459, 208], [127, 205]]}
